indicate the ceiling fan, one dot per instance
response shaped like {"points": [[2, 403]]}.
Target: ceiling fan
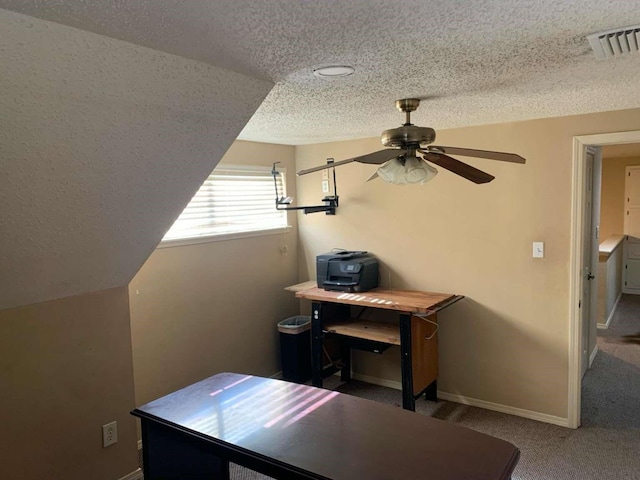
{"points": [[401, 164]]}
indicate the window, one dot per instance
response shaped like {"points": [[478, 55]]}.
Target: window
{"points": [[232, 199]]}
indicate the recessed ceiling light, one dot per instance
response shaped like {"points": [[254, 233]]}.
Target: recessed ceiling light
{"points": [[334, 71]]}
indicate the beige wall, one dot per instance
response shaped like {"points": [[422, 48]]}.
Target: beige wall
{"points": [[65, 370], [201, 309], [507, 342], [612, 203]]}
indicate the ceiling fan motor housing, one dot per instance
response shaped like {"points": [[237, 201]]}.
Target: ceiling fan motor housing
{"points": [[408, 136]]}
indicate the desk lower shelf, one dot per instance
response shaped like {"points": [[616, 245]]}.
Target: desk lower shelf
{"points": [[376, 337], [375, 331]]}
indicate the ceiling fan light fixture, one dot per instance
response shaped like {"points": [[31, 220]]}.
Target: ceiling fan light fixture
{"points": [[333, 71], [414, 171], [392, 171], [418, 171]]}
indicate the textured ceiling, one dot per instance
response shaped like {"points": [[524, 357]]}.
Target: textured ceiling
{"points": [[102, 144], [475, 62]]}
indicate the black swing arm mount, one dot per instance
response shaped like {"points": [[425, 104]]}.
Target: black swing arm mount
{"points": [[330, 202]]}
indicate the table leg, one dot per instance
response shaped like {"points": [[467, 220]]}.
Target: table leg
{"points": [[408, 402], [316, 344], [169, 454], [431, 392], [345, 357]]}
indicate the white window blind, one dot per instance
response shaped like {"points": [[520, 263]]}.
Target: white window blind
{"points": [[232, 199]]}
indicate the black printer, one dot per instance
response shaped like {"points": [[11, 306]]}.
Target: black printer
{"points": [[347, 271]]}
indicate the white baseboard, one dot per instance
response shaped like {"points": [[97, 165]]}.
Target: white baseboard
{"points": [[135, 475], [592, 357], [473, 402], [497, 407], [604, 326]]}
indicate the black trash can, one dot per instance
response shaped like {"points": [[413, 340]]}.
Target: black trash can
{"points": [[295, 348]]}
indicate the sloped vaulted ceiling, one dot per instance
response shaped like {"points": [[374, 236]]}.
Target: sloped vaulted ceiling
{"points": [[102, 143]]}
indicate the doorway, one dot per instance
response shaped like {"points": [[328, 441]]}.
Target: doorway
{"points": [[580, 247]]}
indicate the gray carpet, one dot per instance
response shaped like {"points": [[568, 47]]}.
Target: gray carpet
{"points": [[607, 446]]}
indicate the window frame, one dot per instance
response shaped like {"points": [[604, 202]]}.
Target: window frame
{"points": [[219, 237]]}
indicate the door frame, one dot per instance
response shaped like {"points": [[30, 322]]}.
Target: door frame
{"points": [[578, 179]]}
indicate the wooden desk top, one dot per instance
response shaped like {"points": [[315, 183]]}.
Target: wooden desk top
{"points": [[402, 300], [322, 434], [301, 286]]}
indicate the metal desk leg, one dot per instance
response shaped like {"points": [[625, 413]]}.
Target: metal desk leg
{"points": [[408, 402], [431, 392], [316, 344], [345, 357]]}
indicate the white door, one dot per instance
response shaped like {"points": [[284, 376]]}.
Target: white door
{"points": [[631, 270], [596, 152], [589, 245]]}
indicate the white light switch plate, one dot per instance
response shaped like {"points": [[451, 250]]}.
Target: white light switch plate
{"points": [[538, 249]]}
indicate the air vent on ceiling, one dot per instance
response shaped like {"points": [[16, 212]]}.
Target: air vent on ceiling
{"points": [[614, 43]]}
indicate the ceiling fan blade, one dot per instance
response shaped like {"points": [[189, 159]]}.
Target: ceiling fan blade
{"points": [[470, 152], [378, 158], [325, 166], [375, 158], [458, 167]]}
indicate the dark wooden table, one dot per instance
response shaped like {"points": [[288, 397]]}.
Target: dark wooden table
{"points": [[290, 431], [415, 333]]}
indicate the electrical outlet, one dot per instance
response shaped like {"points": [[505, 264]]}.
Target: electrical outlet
{"points": [[109, 434]]}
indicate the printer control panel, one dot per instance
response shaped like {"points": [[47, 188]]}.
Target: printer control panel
{"points": [[350, 267]]}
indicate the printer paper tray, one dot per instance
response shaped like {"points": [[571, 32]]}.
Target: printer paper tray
{"points": [[340, 286]]}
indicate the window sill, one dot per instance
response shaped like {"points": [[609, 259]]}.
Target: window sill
{"points": [[182, 242]]}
